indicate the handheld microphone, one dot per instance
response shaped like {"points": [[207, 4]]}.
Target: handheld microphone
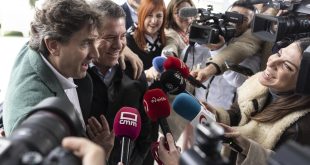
{"points": [[158, 63], [157, 108], [176, 64], [172, 82], [190, 109], [127, 126]]}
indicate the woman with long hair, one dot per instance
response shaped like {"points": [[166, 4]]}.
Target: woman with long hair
{"points": [[177, 28], [268, 111], [147, 38]]}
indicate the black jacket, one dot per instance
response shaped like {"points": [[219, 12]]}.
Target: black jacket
{"points": [[129, 21], [107, 100]]}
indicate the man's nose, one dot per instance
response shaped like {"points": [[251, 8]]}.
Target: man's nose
{"points": [[94, 53]]}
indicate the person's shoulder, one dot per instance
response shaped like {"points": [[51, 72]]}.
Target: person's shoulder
{"points": [[124, 6], [171, 32], [128, 72]]}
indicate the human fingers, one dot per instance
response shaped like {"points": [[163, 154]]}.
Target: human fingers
{"points": [[121, 61], [104, 123], [171, 142], [94, 125]]}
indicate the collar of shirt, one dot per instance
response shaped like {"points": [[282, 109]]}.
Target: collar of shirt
{"points": [[107, 77], [66, 83], [133, 13], [151, 39]]}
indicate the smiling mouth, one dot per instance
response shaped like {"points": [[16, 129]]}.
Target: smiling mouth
{"points": [[85, 64], [267, 76]]}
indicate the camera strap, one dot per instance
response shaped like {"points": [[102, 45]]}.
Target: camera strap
{"points": [[190, 47]]}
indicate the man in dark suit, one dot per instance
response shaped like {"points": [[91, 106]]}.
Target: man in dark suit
{"points": [[114, 88], [130, 7]]}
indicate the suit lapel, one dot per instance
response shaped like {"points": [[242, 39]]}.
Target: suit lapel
{"points": [[46, 74]]}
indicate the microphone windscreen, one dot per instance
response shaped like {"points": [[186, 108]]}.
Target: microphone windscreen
{"points": [[156, 104], [188, 12], [158, 63], [127, 123], [186, 106], [172, 82], [176, 64]]}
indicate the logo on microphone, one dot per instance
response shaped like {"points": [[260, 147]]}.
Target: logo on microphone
{"points": [[128, 118], [203, 120], [158, 99]]}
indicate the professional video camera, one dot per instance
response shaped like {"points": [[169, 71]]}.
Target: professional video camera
{"points": [[206, 149], [294, 25], [208, 26], [37, 140]]}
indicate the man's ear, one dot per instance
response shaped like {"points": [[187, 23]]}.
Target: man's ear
{"points": [[52, 46]]}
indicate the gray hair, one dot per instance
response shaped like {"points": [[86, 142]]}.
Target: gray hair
{"points": [[108, 9], [60, 19]]}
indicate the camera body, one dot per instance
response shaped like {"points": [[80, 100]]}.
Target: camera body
{"points": [[294, 25], [208, 26], [206, 149], [37, 139]]}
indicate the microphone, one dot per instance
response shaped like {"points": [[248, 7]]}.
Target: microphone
{"points": [[158, 63], [127, 126], [172, 82], [190, 109], [157, 108], [198, 114], [188, 12], [176, 64]]}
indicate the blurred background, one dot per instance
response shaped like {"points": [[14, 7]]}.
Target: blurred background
{"points": [[15, 16]]}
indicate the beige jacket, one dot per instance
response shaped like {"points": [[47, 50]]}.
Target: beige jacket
{"points": [[265, 134], [174, 42]]}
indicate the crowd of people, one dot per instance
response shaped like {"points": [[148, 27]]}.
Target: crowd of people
{"points": [[99, 55]]}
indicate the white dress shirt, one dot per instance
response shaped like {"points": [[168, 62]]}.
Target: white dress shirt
{"points": [[70, 90]]}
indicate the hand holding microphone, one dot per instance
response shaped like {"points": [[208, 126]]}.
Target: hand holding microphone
{"points": [[190, 109], [157, 68], [127, 126], [158, 63], [157, 108], [176, 64], [171, 155]]}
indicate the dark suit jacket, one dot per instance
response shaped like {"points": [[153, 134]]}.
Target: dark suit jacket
{"points": [[129, 21], [107, 100]]}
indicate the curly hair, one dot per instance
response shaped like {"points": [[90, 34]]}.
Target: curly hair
{"points": [[59, 20]]}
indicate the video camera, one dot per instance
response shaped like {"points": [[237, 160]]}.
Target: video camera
{"points": [[37, 140], [208, 26], [294, 25], [206, 149]]}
